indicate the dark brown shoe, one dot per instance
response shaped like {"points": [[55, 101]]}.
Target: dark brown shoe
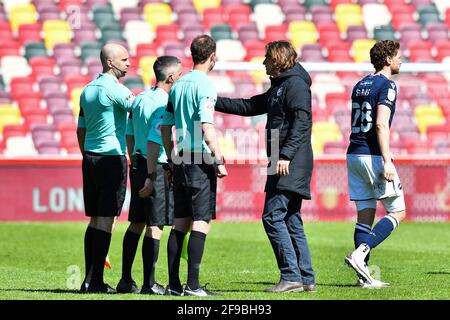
{"points": [[286, 286], [309, 288]]}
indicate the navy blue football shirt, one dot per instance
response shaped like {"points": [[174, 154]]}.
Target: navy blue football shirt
{"points": [[367, 94]]}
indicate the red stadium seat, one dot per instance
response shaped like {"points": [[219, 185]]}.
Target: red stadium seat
{"points": [[29, 103], [29, 33], [146, 50], [401, 17], [328, 33], [212, 16], [42, 67], [67, 127], [254, 48], [339, 51], [34, 116], [420, 51], [6, 32], [69, 140], [167, 34], [337, 101], [443, 49], [274, 33], [419, 45], [237, 15], [63, 4], [399, 6], [76, 81], [19, 86], [14, 130], [9, 48], [438, 133], [334, 3]]}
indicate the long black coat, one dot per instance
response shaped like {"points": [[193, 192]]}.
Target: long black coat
{"points": [[288, 107]]}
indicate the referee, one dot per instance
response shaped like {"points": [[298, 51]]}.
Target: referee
{"points": [[151, 200], [104, 104], [191, 110]]}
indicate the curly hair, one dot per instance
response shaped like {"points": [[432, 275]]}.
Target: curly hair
{"points": [[381, 51], [282, 53], [201, 48]]}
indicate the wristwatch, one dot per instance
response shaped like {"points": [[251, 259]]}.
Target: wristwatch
{"points": [[152, 176]]}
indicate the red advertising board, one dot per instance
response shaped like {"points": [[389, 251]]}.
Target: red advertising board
{"points": [[51, 190]]}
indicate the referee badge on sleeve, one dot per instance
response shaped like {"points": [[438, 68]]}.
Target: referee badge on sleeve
{"points": [[131, 98], [210, 104]]}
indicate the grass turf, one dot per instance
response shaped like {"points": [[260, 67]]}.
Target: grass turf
{"points": [[41, 260]]}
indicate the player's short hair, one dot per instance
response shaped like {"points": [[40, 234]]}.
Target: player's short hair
{"points": [[381, 51], [282, 53], [162, 65], [201, 48]]}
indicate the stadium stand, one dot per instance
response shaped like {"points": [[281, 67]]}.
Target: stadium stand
{"points": [[50, 51]]}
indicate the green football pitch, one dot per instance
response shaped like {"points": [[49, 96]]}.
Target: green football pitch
{"points": [[45, 261]]}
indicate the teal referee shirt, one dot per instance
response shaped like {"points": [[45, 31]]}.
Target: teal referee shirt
{"points": [[104, 104], [191, 102], [145, 121]]}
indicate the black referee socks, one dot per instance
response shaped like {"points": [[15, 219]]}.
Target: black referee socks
{"points": [[174, 249], [129, 248], [150, 252], [196, 247], [102, 240], [88, 248]]}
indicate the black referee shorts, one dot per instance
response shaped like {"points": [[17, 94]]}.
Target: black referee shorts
{"points": [[104, 184], [156, 210], [194, 189]]}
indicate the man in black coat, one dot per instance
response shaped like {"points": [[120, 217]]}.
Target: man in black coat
{"points": [[287, 104]]}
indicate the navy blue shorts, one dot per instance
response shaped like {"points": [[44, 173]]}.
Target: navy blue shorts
{"points": [[104, 184], [194, 189], [157, 209]]}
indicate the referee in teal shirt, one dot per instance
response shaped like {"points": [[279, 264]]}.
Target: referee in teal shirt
{"points": [[104, 104], [196, 167], [151, 202]]}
